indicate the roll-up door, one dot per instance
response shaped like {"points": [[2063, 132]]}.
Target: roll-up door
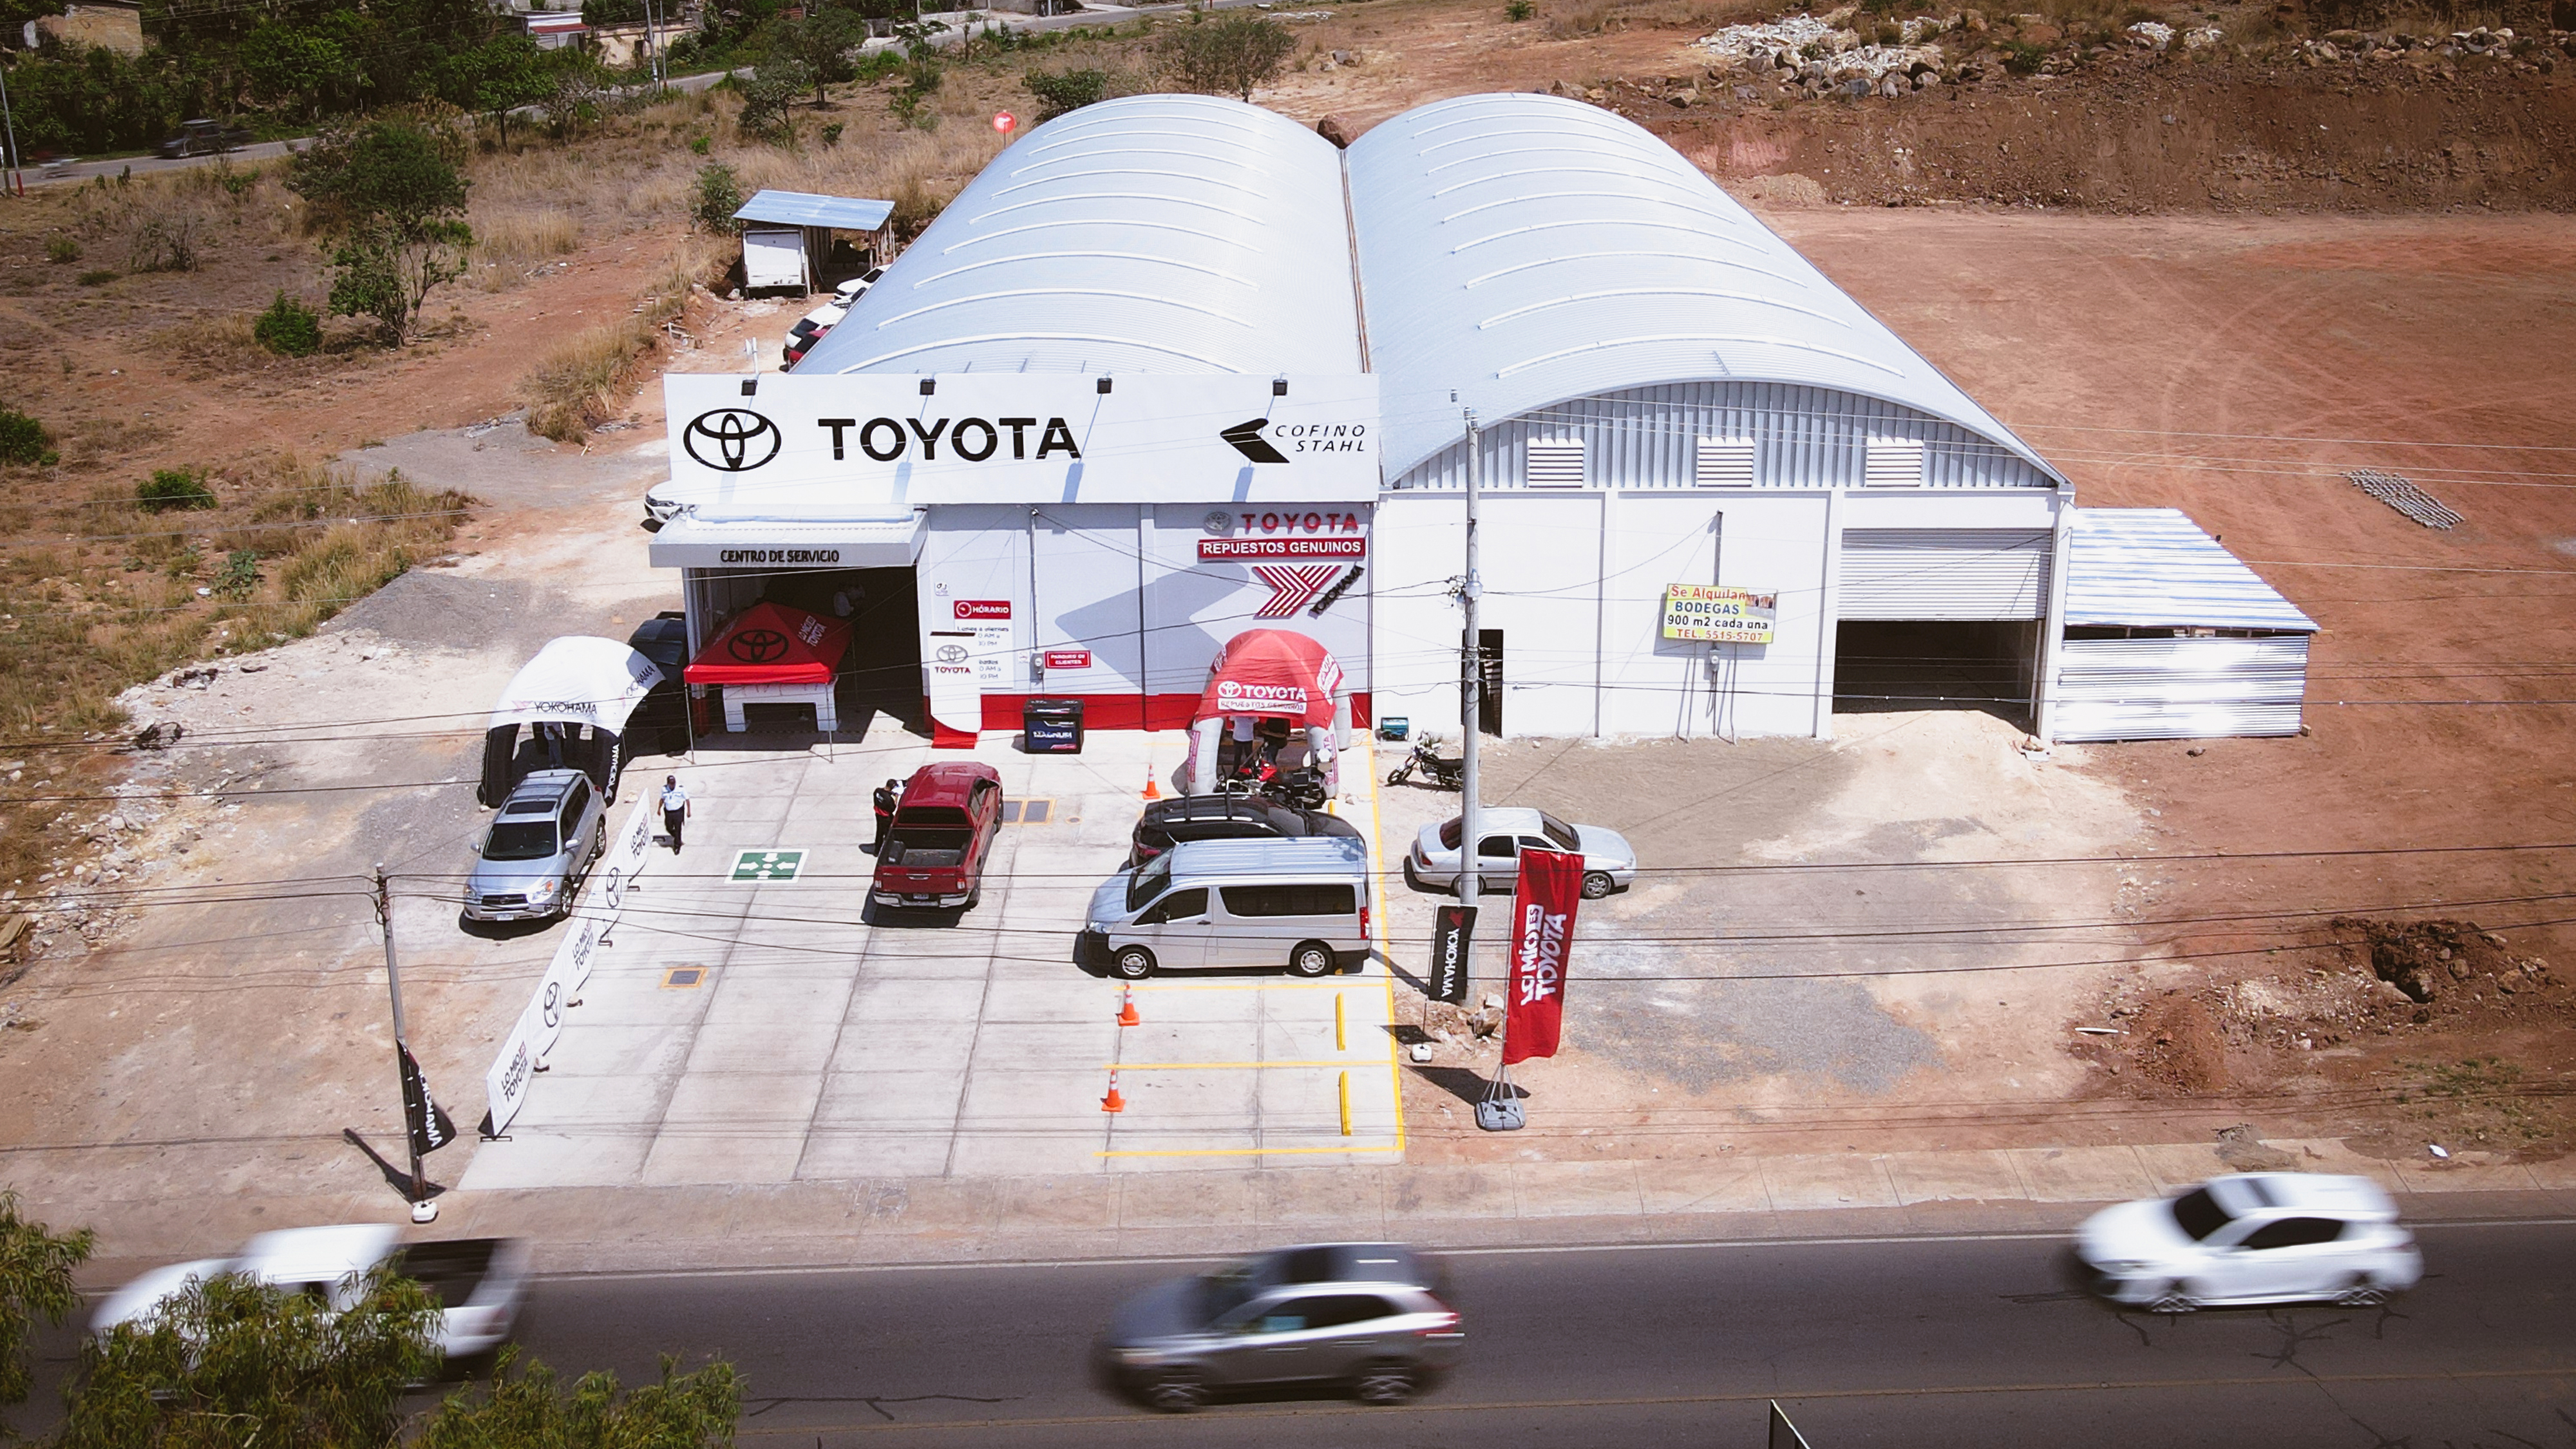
{"points": [[1945, 573]]}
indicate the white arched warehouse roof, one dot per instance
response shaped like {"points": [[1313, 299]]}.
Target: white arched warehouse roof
{"points": [[1526, 250], [1185, 234]]}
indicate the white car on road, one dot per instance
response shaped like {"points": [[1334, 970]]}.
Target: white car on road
{"points": [[2255, 1237], [477, 1282]]}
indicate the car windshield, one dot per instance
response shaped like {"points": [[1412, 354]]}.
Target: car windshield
{"points": [[1452, 833], [520, 840], [1560, 832], [1225, 1289], [2198, 1214], [1148, 882]]}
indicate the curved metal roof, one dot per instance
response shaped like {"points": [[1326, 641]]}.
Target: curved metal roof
{"points": [[1527, 249], [1146, 234]]}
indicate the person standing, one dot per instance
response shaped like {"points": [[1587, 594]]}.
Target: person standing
{"points": [[884, 802], [675, 809]]}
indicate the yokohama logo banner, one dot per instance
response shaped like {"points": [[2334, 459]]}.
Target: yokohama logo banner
{"points": [[1543, 904]]}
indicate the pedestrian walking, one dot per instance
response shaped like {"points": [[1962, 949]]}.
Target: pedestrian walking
{"points": [[884, 801], [675, 809]]}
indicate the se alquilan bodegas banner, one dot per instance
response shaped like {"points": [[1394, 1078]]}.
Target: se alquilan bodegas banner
{"points": [[1705, 614]]}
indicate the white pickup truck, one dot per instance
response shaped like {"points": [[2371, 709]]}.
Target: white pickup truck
{"points": [[477, 1282]]}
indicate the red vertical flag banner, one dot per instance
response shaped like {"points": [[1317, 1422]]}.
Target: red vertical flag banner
{"points": [[1551, 884]]}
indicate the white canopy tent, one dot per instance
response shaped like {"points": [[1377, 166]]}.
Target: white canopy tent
{"points": [[574, 683]]}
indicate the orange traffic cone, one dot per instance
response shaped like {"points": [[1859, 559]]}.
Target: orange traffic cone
{"points": [[1127, 1009], [1152, 790], [1113, 1102]]}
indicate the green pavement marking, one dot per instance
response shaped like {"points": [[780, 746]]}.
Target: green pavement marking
{"points": [[757, 865]]}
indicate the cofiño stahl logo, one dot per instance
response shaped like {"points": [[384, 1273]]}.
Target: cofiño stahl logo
{"points": [[731, 440]]}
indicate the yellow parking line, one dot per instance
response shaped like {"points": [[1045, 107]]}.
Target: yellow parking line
{"points": [[1209, 1066], [1236, 1151], [1377, 889], [1246, 986]]}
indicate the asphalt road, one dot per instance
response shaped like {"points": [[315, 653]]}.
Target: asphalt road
{"points": [[1916, 1342]]}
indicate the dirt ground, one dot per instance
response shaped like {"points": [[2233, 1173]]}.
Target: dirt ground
{"points": [[2227, 364]]}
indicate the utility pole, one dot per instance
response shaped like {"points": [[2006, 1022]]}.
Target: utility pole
{"points": [[17, 175], [1471, 694], [423, 1208]]}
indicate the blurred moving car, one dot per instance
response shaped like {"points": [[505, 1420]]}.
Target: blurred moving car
{"points": [[537, 850], [944, 826], [1167, 823], [1609, 861], [203, 138], [2255, 1237], [1364, 1316], [478, 1282], [664, 639]]}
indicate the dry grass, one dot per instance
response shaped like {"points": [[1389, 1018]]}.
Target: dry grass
{"points": [[120, 605], [509, 246], [578, 386]]}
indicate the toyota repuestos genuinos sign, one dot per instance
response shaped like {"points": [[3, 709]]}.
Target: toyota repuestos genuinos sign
{"points": [[786, 446]]}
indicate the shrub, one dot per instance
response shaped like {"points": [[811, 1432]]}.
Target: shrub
{"points": [[701, 143], [1066, 91], [24, 440], [289, 328], [61, 250], [1519, 10], [170, 488], [767, 95], [98, 278], [1228, 56], [240, 575], [921, 79], [2023, 58], [831, 135], [719, 197]]}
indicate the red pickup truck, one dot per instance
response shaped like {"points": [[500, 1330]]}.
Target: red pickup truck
{"points": [[943, 832]]}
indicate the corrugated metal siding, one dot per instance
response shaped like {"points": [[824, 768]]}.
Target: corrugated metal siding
{"points": [[2154, 568], [1146, 234], [1804, 437], [2180, 689], [1944, 573], [1522, 250]]}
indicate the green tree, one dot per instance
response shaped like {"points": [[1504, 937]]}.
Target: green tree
{"points": [[1226, 56], [495, 78], [393, 193], [528, 1409], [35, 1281], [230, 1361], [312, 69], [821, 42], [768, 93]]}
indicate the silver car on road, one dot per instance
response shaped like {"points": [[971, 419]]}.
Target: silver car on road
{"points": [[1609, 862], [1362, 1316], [538, 849]]}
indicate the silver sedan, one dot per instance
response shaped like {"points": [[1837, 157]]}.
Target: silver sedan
{"points": [[1609, 862]]}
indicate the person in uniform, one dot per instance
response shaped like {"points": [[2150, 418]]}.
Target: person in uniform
{"points": [[675, 809], [884, 801]]}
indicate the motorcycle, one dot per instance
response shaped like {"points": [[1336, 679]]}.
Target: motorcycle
{"points": [[1258, 778], [1443, 774]]}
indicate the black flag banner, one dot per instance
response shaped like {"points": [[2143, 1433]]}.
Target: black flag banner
{"points": [[430, 1128], [1451, 935]]}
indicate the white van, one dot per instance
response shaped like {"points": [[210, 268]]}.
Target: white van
{"points": [[1301, 903]]}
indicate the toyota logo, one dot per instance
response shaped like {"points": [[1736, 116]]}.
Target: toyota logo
{"points": [[738, 438], [554, 1003], [757, 646], [952, 653], [1218, 523]]}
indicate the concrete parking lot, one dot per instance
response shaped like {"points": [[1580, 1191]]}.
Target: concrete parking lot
{"points": [[743, 1029]]}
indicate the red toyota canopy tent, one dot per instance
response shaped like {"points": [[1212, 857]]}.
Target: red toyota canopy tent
{"points": [[770, 643], [1271, 672]]}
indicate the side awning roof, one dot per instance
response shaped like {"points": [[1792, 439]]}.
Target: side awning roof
{"points": [[577, 680], [2154, 568], [805, 208]]}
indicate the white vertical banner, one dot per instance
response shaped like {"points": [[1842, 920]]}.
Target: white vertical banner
{"points": [[594, 914]]}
